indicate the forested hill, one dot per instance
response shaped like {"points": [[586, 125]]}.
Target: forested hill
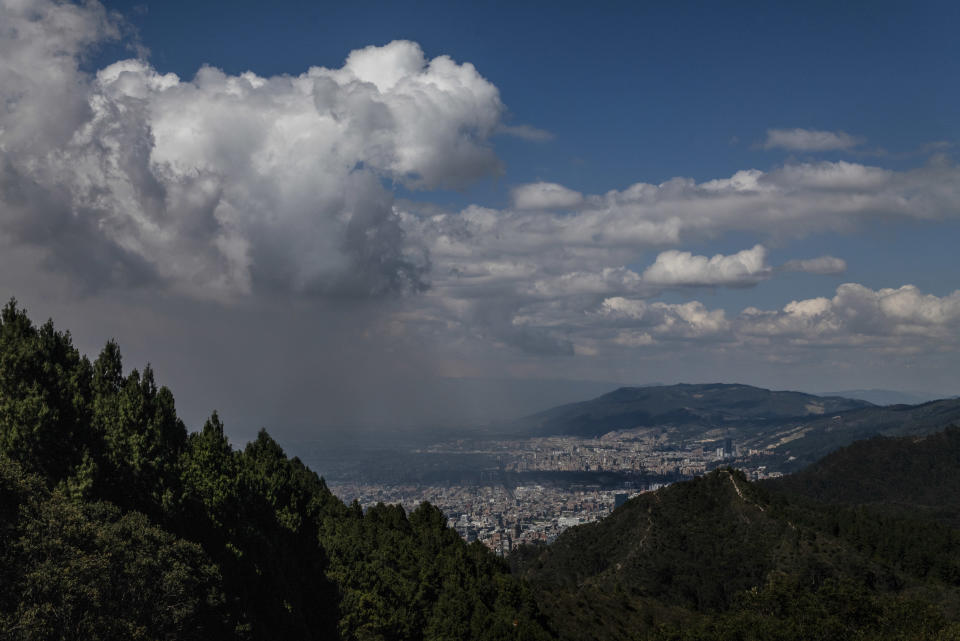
{"points": [[703, 406], [116, 523], [719, 557], [920, 474]]}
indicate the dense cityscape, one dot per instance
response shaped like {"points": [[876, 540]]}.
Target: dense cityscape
{"points": [[535, 493]]}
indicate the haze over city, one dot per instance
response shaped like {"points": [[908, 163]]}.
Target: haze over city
{"points": [[314, 219]]}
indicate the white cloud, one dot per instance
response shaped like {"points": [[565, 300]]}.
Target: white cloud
{"points": [[633, 338], [549, 269], [614, 229], [856, 315], [606, 281], [809, 140], [691, 320], [620, 308], [41, 44], [903, 320], [526, 132], [841, 176], [225, 183], [543, 195], [677, 268], [664, 320], [825, 265]]}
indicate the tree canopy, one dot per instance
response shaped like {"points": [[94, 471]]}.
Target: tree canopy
{"points": [[119, 523]]}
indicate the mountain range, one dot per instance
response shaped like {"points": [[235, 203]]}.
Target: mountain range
{"points": [[710, 405], [791, 429], [886, 396]]}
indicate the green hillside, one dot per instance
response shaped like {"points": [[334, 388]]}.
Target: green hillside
{"points": [[920, 474], [116, 523], [722, 558]]}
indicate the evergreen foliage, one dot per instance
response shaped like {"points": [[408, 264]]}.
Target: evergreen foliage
{"points": [[721, 558], [117, 523], [82, 570], [918, 474]]}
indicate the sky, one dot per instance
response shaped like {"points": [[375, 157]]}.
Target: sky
{"points": [[320, 218]]}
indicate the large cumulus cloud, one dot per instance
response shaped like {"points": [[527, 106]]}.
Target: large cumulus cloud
{"points": [[223, 184]]}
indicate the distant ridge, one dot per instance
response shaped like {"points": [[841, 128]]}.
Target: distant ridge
{"points": [[885, 396], [826, 434], [705, 405], [790, 430]]}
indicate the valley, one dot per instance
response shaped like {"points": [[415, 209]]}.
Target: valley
{"points": [[507, 491]]}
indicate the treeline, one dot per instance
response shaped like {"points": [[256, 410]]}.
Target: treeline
{"points": [[115, 522]]}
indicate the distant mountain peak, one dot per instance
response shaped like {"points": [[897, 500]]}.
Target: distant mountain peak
{"points": [[706, 404]]}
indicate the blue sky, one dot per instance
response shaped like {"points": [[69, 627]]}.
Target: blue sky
{"points": [[630, 91], [753, 192]]}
